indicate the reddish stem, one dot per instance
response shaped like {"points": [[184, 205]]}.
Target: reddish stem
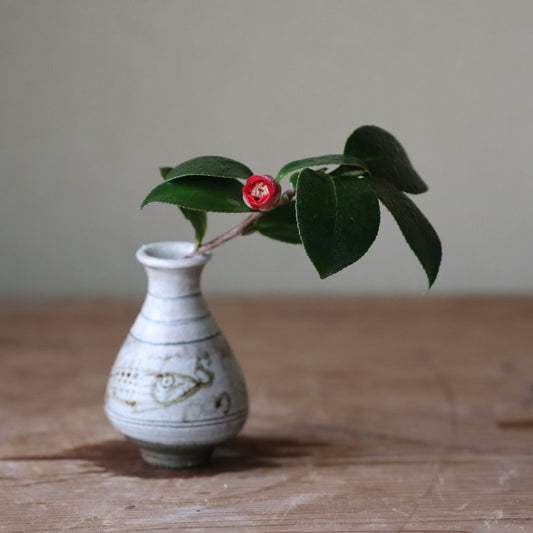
{"points": [[239, 229]]}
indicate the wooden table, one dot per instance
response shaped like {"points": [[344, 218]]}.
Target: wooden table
{"points": [[366, 415]]}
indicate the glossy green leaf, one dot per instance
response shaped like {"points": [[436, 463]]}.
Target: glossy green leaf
{"points": [[416, 229], [198, 219], [343, 170], [210, 165], [321, 161], [280, 224], [201, 193], [164, 171], [293, 180], [338, 219], [385, 158]]}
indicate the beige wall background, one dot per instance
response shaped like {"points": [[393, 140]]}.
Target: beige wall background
{"points": [[95, 95]]}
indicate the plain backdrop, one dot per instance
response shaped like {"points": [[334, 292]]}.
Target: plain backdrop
{"points": [[96, 95]]}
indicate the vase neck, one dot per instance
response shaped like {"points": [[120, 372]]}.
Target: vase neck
{"points": [[174, 283], [170, 274]]}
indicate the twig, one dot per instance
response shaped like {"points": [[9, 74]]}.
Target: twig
{"points": [[239, 229]]}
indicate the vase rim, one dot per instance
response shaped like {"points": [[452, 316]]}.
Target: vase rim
{"points": [[170, 254]]}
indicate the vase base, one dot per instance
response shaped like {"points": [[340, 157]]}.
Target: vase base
{"points": [[175, 456]]}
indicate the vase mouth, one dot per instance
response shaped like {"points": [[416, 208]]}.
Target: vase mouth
{"points": [[170, 254]]}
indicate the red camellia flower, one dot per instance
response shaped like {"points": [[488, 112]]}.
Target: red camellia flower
{"points": [[261, 193]]}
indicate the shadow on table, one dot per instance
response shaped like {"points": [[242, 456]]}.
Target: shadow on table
{"points": [[122, 458]]}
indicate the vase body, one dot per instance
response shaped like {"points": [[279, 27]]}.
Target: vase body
{"points": [[175, 389]]}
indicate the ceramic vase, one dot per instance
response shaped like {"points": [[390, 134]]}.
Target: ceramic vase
{"points": [[175, 389]]}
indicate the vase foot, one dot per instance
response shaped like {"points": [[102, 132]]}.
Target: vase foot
{"points": [[175, 456]]}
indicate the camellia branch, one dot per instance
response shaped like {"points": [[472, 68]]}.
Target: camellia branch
{"points": [[240, 228], [373, 169]]}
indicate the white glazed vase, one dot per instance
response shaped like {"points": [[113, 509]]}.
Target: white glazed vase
{"points": [[175, 389]]}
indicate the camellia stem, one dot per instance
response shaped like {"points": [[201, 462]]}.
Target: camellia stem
{"points": [[239, 229]]}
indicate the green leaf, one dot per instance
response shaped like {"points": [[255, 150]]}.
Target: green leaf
{"points": [[416, 229], [338, 219], [198, 219], [201, 193], [164, 171], [385, 157], [293, 180], [210, 165], [321, 161], [280, 224]]}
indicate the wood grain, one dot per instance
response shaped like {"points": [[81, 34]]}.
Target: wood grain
{"points": [[389, 415]]}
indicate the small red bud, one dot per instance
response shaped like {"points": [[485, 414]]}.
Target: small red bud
{"points": [[261, 193]]}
